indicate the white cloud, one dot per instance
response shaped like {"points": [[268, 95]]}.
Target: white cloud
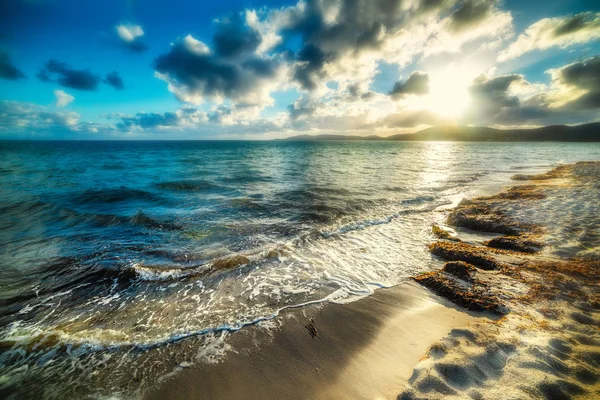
{"points": [[129, 32], [63, 98], [195, 46], [559, 32]]}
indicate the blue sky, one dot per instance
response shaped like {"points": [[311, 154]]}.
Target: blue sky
{"points": [[255, 69]]}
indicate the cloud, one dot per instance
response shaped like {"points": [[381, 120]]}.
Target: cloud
{"points": [[578, 84], [33, 119], [417, 83], [559, 32], [184, 117], [194, 73], [68, 77], [470, 13], [320, 46], [234, 38], [113, 79], [130, 35], [8, 70], [129, 32], [470, 22], [63, 99]]}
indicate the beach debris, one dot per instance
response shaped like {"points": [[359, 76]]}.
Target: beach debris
{"points": [[482, 218], [551, 334], [464, 252], [558, 172], [312, 328], [524, 244], [520, 193], [460, 269], [488, 214], [443, 234], [475, 297]]}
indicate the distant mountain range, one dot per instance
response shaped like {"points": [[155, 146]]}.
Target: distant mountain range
{"points": [[554, 133]]}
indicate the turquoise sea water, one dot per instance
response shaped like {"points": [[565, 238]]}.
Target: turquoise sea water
{"points": [[107, 249]]}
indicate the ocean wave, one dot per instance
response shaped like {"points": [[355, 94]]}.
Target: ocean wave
{"points": [[113, 195], [363, 224], [49, 339], [188, 185], [157, 273], [142, 219]]}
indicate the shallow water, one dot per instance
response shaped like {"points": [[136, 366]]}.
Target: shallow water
{"points": [[107, 247]]}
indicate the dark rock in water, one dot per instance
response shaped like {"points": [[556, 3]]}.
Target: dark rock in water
{"points": [[464, 252], [460, 269], [515, 243], [230, 263]]}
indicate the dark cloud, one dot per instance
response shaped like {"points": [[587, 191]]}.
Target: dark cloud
{"points": [[8, 70], [470, 13], [234, 38], [113, 79], [202, 73], [493, 93], [68, 77], [359, 25], [149, 120], [429, 5], [417, 83], [573, 24], [311, 68], [583, 75], [492, 103]]}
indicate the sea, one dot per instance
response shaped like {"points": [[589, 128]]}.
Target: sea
{"points": [[123, 262]]}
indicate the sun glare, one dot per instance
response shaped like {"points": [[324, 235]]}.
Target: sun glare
{"points": [[448, 92]]}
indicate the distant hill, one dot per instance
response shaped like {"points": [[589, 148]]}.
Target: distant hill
{"points": [[555, 133]]}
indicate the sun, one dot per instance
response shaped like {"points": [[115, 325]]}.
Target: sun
{"points": [[449, 91]]}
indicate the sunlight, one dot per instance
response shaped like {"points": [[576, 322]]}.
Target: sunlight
{"points": [[449, 94]]}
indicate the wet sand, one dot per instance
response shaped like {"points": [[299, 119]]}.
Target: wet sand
{"points": [[365, 349]]}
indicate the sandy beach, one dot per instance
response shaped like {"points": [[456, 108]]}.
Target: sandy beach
{"points": [[512, 315]]}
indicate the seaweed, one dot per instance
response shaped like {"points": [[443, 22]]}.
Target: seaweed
{"points": [[464, 252], [474, 298], [522, 244], [460, 269], [312, 329], [443, 234]]}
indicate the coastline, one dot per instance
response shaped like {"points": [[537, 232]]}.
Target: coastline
{"points": [[355, 354], [407, 342]]}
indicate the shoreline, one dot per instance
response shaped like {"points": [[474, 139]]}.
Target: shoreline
{"points": [[344, 360], [380, 346]]}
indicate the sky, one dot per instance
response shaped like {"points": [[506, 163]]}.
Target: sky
{"points": [[126, 69]]}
